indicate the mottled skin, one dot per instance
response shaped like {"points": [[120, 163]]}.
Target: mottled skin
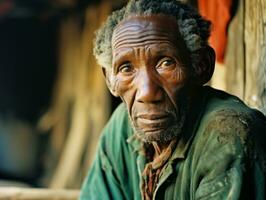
{"points": [[152, 73]]}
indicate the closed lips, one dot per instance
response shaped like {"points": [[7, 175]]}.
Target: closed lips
{"points": [[152, 116], [152, 120]]}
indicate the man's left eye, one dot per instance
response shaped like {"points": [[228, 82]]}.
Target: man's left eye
{"points": [[166, 63]]}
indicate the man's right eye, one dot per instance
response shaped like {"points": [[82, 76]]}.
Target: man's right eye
{"points": [[125, 68]]}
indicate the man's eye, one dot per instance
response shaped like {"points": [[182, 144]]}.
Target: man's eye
{"points": [[126, 68], [166, 63]]}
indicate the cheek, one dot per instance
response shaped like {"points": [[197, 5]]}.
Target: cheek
{"points": [[123, 87], [174, 81], [178, 77], [174, 84]]}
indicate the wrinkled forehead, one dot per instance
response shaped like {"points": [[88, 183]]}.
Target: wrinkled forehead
{"points": [[141, 30]]}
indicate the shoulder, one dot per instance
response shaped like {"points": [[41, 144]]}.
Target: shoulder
{"points": [[227, 121], [230, 140], [225, 110]]}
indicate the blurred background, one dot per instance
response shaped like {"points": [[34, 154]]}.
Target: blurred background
{"points": [[53, 98]]}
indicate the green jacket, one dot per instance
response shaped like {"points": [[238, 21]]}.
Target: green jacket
{"points": [[221, 156]]}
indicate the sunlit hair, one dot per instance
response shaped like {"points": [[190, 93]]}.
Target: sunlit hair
{"points": [[192, 27]]}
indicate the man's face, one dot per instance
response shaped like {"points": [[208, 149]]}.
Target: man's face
{"points": [[149, 74]]}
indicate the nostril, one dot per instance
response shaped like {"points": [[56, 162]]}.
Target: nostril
{"points": [[152, 93]]}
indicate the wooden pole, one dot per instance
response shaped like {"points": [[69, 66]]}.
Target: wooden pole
{"points": [[89, 105], [37, 194]]}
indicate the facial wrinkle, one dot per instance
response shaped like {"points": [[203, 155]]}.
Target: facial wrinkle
{"points": [[127, 23], [138, 39], [134, 30], [129, 31], [143, 48], [147, 49], [156, 78], [173, 101], [139, 42], [129, 27], [136, 54], [139, 32]]}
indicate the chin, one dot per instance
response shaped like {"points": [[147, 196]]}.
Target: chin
{"points": [[163, 135], [160, 130]]}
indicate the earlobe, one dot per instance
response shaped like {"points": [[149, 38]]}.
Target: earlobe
{"points": [[109, 82], [206, 65]]}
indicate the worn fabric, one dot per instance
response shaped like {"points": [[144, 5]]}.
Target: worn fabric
{"points": [[213, 10], [153, 169], [220, 156]]}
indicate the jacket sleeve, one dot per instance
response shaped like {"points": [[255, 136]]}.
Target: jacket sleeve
{"points": [[230, 160], [102, 182]]}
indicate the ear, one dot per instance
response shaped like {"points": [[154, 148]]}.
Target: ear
{"points": [[205, 68], [109, 81]]}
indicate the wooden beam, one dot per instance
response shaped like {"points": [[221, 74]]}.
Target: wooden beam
{"points": [[7, 193]]}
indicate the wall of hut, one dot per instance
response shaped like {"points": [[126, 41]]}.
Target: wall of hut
{"points": [[246, 53], [81, 103]]}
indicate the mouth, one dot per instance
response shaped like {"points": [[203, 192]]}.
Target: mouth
{"points": [[152, 116], [153, 122]]}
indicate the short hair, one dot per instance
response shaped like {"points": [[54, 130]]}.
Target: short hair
{"points": [[192, 27]]}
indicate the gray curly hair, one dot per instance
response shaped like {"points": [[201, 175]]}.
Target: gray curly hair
{"points": [[192, 27]]}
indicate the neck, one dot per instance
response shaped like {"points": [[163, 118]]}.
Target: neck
{"points": [[162, 148], [159, 147]]}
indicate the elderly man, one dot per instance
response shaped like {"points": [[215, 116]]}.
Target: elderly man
{"points": [[172, 137]]}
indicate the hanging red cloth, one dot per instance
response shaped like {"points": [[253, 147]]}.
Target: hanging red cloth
{"points": [[218, 12]]}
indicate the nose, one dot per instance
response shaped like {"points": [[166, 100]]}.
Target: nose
{"points": [[149, 89]]}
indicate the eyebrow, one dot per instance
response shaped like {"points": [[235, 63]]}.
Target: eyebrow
{"points": [[165, 47], [122, 54], [161, 50]]}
